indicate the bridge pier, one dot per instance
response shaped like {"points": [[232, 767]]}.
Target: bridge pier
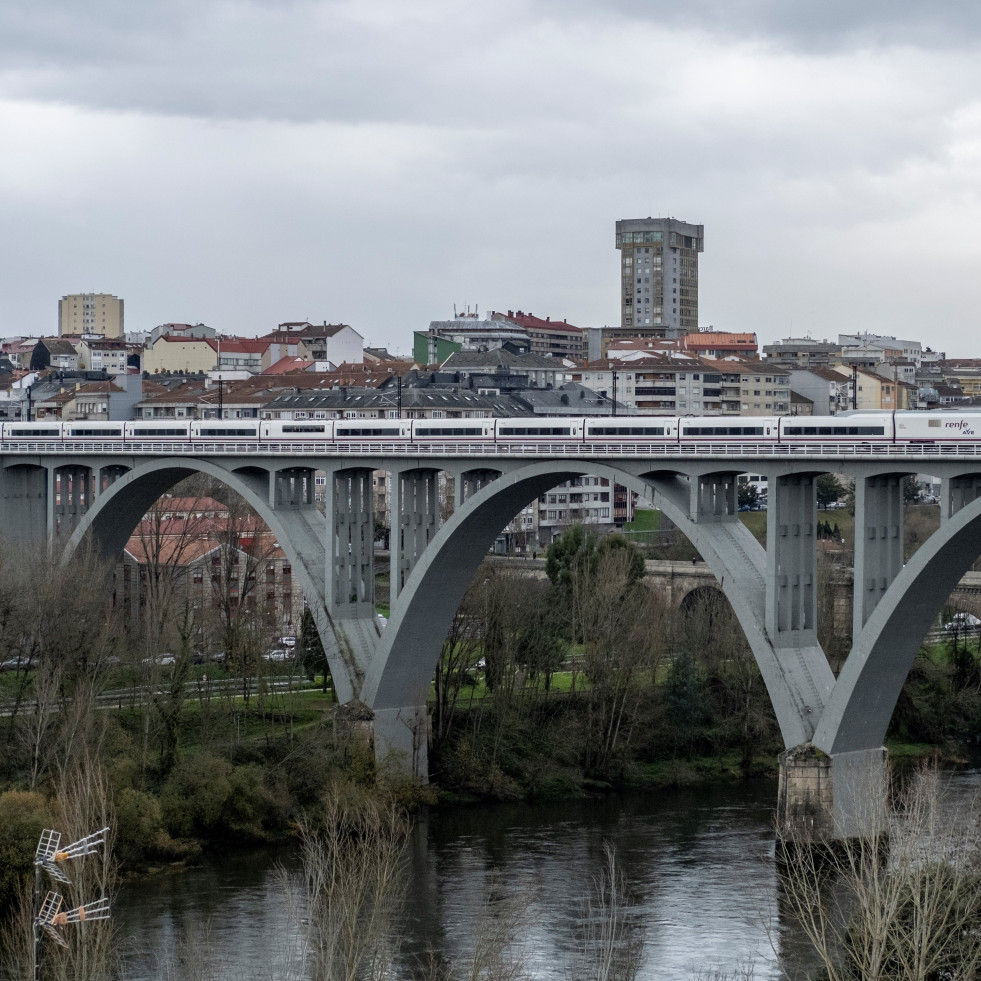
{"points": [[350, 568], [25, 505], [415, 520], [878, 542], [821, 797], [402, 741]]}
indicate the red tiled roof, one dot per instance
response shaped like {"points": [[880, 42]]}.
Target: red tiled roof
{"points": [[288, 364], [529, 320]]}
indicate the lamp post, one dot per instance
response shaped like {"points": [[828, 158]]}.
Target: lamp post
{"points": [[221, 407]]}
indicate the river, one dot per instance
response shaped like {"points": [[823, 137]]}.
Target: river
{"points": [[698, 867]]}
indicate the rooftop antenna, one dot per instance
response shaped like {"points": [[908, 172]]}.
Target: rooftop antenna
{"points": [[49, 915]]}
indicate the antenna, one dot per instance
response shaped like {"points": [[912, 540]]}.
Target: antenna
{"points": [[49, 915]]}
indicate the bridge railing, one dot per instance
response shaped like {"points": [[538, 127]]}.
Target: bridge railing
{"points": [[605, 450]]}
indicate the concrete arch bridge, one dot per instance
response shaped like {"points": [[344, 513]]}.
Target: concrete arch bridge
{"points": [[833, 728]]}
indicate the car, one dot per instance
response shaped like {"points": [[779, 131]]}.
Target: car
{"points": [[962, 621], [287, 642], [15, 664], [279, 654], [164, 659]]}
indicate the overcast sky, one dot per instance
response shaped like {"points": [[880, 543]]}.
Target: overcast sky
{"points": [[376, 162]]}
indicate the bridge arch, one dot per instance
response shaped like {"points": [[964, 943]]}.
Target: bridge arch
{"points": [[869, 685], [402, 668], [120, 506]]}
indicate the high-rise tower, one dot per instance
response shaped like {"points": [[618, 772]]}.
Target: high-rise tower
{"points": [[659, 275], [90, 313]]}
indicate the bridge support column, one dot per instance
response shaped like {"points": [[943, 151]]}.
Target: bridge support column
{"points": [[74, 493], [415, 520], [25, 505], [714, 497], [957, 493], [467, 484], [878, 542], [292, 488], [823, 797], [108, 476], [402, 742], [791, 597], [350, 568]]}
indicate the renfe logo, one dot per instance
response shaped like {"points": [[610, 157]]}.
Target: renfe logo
{"points": [[965, 427]]}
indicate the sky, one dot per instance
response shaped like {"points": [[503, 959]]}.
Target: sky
{"points": [[376, 162]]}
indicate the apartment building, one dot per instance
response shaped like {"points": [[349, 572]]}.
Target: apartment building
{"points": [[90, 313], [659, 274]]}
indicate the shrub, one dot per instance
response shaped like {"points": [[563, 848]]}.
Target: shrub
{"points": [[23, 816]]}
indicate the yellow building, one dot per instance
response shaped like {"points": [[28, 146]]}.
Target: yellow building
{"points": [[180, 354], [90, 313], [872, 392]]}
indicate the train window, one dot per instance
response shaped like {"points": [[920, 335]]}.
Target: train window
{"points": [[221, 431], [366, 431], [723, 431], [84, 431], [533, 431], [834, 431], [159, 431], [29, 433], [304, 429], [626, 430], [446, 431]]}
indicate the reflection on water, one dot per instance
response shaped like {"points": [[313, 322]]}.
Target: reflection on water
{"points": [[697, 865]]}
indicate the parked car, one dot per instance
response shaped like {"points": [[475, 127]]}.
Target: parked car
{"points": [[279, 654]]}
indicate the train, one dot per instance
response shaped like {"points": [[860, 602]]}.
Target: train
{"points": [[900, 427]]}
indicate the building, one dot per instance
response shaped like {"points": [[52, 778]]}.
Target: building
{"points": [[90, 313], [104, 354], [557, 338], [801, 352], [467, 332], [659, 274], [178, 353]]}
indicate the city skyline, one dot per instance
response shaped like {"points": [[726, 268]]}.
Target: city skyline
{"points": [[244, 164]]}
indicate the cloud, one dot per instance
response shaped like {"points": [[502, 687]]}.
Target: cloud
{"points": [[375, 162]]}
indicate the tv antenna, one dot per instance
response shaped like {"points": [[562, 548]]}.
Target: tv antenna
{"points": [[50, 915]]}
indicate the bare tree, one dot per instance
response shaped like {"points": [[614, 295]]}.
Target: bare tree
{"points": [[902, 903], [611, 942], [354, 876]]}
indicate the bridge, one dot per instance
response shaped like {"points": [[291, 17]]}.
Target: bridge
{"points": [[833, 729]]}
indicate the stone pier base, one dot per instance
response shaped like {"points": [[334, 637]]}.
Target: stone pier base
{"points": [[823, 797], [402, 742]]}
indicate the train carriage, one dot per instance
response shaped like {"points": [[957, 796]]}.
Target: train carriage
{"points": [[46, 432], [864, 427], [741, 429], [452, 430], [225, 430], [297, 430], [372, 430], [539, 431], [157, 430], [89, 430], [939, 427], [632, 429]]}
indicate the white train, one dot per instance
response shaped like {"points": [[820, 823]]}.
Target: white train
{"points": [[858, 428]]}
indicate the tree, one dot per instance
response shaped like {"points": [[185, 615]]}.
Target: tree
{"points": [[911, 489], [829, 489], [902, 903], [311, 650], [748, 494]]}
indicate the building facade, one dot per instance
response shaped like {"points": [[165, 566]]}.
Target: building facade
{"points": [[90, 313], [659, 274]]}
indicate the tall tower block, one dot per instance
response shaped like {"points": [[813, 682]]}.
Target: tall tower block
{"points": [[659, 275]]}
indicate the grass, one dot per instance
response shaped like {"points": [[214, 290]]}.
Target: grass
{"points": [[644, 520]]}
